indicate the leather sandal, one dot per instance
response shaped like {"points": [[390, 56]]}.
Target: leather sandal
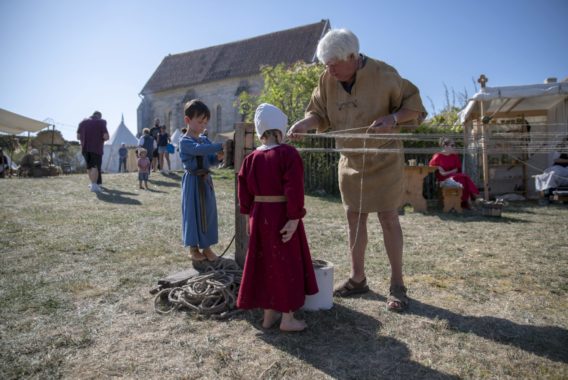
{"points": [[209, 254], [397, 299], [196, 255], [351, 287]]}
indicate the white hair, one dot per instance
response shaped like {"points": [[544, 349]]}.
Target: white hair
{"points": [[337, 44]]}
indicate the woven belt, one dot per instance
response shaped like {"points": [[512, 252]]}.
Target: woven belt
{"points": [[270, 198]]}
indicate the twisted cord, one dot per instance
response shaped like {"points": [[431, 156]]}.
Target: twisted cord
{"points": [[212, 293]]}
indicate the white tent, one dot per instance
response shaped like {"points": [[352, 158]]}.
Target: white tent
{"points": [[527, 122], [110, 155], [175, 160], [14, 124]]}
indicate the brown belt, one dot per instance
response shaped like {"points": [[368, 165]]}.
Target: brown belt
{"points": [[270, 198]]}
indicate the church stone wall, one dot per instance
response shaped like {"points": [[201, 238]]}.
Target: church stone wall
{"points": [[220, 97]]}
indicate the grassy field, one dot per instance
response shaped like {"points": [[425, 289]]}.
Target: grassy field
{"points": [[489, 295]]}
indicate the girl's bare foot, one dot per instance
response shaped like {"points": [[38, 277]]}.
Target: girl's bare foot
{"points": [[291, 324], [196, 255], [209, 254], [270, 318]]}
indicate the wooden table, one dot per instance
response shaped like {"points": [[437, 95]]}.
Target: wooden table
{"points": [[414, 179]]}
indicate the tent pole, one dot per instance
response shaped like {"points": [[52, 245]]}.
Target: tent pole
{"points": [[482, 80]]}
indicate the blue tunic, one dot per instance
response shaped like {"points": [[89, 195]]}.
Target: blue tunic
{"points": [[194, 233]]}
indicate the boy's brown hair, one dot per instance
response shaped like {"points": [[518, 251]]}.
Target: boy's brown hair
{"points": [[196, 108]]}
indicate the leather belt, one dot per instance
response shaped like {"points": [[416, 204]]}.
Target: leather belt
{"points": [[270, 198]]}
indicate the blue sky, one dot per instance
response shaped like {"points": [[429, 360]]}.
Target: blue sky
{"points": [[62, 59]]}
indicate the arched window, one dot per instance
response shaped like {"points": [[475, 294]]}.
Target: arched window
{"points": [[219, 121]]}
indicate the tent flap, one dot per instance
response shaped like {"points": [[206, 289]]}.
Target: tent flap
{"points": [[15, 124]]}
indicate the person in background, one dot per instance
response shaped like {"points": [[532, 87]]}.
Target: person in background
{"points": [[122, 156], [144, 165], [163, 141], [448, 163], [553, 177], [367, 96], [153, 155], [92, 133], [278, 271], [198, 203], [4, 164], [147, 142]]}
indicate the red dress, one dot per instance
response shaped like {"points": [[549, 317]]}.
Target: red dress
{"points": [[449, 162], [276, 275]]}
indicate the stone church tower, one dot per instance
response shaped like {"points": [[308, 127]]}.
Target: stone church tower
{"points": [[218, 74]]}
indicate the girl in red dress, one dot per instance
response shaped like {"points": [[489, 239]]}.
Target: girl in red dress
{"points": [[449, 166], [278, 271]]}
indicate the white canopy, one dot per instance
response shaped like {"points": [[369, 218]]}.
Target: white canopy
{"points": [[13, 123], [516, 99], [110, 155]]}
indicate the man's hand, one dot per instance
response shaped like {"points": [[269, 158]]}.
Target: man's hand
{"points": [[289, 229], [384, 124]]}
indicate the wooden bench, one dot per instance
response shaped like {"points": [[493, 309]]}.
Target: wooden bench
{"points": [[451, 197]]}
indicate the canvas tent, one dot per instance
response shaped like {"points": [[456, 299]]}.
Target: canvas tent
{"points": [[110, 155], [175, 160], [516, 130], [13, 123]]}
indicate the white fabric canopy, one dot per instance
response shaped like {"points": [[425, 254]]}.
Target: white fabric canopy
{"points": [[14, 124], [516, 98]]}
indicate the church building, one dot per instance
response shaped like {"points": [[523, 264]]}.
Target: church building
{"points": [[219, 74]]}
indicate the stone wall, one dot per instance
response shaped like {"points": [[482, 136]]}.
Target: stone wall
{"points": [[220, 97]]}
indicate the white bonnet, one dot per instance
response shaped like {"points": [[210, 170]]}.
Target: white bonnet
{"points": [[269, 117]]}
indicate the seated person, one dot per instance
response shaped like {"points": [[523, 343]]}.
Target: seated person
{"points": [[4, 164], [30, 165], [448, 164], [553, 177]]}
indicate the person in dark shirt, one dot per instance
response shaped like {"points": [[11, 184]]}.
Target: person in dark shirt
{"points": [[92, 133]]}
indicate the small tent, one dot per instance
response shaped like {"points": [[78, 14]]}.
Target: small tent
{"points": [[175, 159], [111, 147], [512, 133]]}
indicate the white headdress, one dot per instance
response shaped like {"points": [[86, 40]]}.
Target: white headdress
{"points": [[269, 117]]}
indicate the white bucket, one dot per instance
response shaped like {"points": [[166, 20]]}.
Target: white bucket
{"points": [[322, 300]]}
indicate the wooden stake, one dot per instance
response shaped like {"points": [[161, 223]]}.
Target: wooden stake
{"points": [[244, 144]]}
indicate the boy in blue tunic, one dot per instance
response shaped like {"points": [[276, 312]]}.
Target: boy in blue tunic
{"points": [[198, 204]]}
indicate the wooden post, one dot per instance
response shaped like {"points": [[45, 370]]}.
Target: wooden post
{"points": [[244, 144], [482, 80]]}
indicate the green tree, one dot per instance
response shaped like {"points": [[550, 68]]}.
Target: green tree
{"points": [[287, 87]]}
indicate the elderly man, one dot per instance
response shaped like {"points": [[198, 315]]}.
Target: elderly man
{"points": [[92, 133], [360, 94]]}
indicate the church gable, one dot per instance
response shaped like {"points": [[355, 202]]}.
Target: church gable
{"points": [[236, 59]]}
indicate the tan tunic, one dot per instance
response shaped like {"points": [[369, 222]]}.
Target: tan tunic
{"points": [[369, 182]]}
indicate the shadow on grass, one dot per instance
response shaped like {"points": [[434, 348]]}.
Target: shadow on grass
{"points": [[117, 196], [164, 183], [547, 341], [344, 343], [474, 217]]}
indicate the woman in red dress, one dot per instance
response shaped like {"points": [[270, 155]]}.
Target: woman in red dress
{"points": [[448, 164], [278, 271]]}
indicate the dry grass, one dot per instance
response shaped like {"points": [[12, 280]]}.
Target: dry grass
{"points": [[489, 294]]}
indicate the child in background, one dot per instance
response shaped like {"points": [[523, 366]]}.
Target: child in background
{"points": [[144, 165], [278, 271], [198, 204]]}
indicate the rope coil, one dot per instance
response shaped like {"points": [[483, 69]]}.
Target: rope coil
{"points": [[212, 293]]}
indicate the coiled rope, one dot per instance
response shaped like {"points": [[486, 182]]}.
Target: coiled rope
{"points": [[212, 293]]}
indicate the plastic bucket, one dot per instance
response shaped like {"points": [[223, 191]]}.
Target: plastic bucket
{"points": [[322, 300]]}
